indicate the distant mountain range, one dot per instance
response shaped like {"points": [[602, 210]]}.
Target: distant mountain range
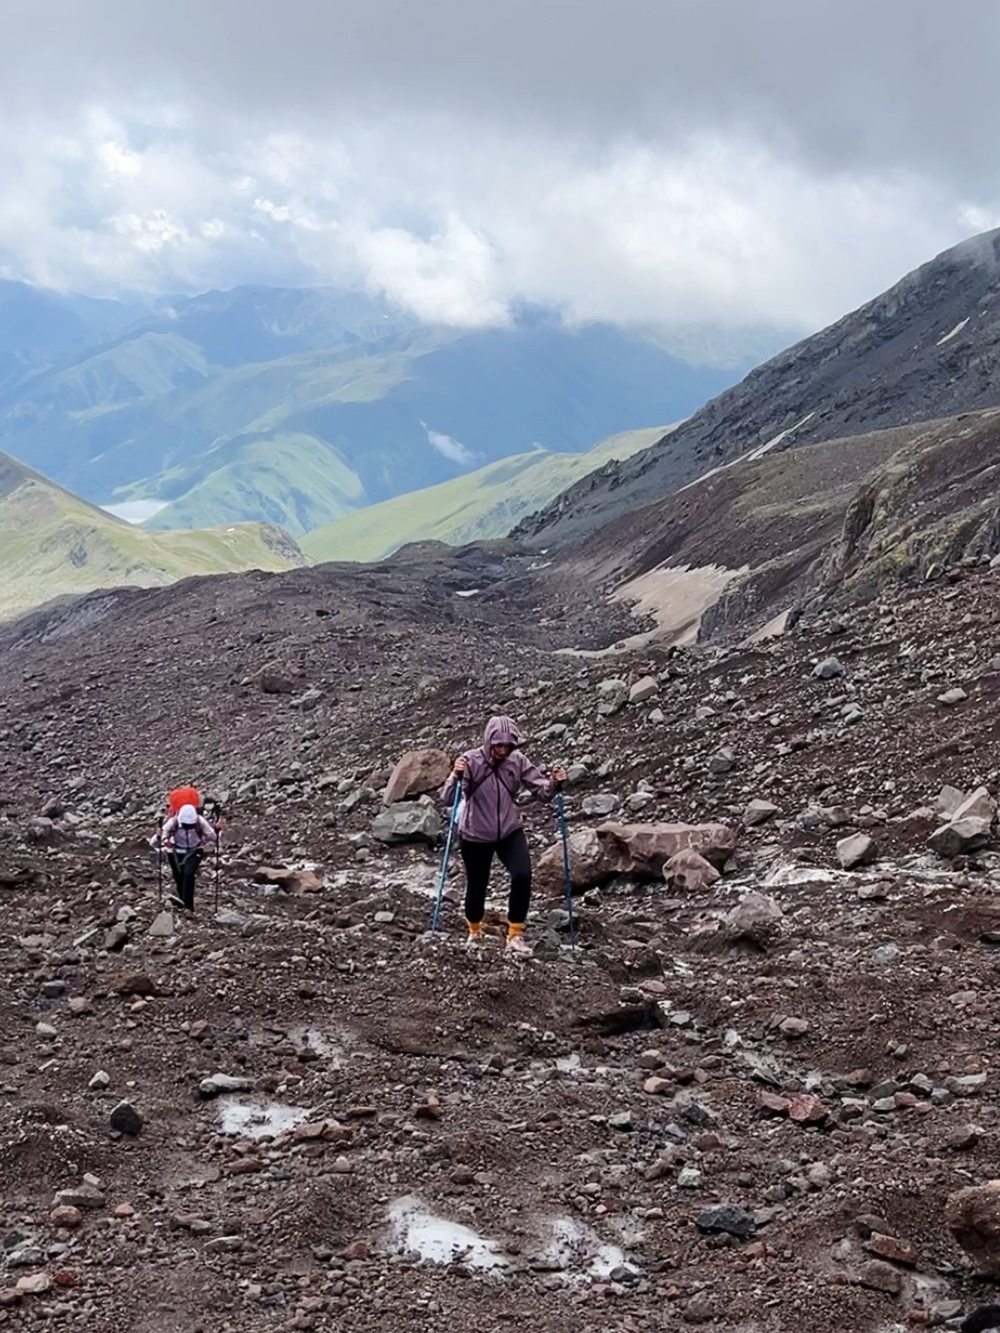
{"points": [[297, 407]]}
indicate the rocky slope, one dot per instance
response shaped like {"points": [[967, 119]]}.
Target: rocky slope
{"points": [[927, 348], [823, 526], [682, 1122]]}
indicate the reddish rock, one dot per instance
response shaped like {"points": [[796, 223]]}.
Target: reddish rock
{"points": [[290, 880], [657, 1087], [417, 771], [66, 1216], [889, 1247], [807, 1110], [66, 1277], [770, 1101], [689, 872]]}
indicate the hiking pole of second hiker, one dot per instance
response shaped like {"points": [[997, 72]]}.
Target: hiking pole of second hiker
{"points": [[452, 820], [159, 860], [560, 805], [218, 838]]}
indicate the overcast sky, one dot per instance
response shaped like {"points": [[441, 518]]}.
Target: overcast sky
{"points": [[752, 162]]}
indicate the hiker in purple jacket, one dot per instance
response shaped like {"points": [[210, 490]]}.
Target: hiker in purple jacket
{"points": [[489, 823]]}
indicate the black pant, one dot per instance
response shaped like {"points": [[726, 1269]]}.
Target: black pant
{"points": [[478, 857], [184, 867]]}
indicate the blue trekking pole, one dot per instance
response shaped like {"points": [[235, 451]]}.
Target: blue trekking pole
{"points": [[452, 820], [560, 805]]}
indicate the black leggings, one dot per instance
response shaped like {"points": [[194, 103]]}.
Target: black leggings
{"points": [[478, 857], [184, 867]]}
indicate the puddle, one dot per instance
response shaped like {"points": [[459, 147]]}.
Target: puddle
{"points": [[256, 1120], [437, 1240]]}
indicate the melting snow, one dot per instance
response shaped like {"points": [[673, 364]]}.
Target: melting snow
{"points": [[573, 1245], [437, 1240], [955, 331], [257, 1121]]}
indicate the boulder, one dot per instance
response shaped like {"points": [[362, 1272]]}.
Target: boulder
{"points": [[756, 919], [960, 836], [601, 804], [590, 862], [643, 689], [759, 812], [952, 696], [276, 678], [289, 878], [722, 761], [408, 821], [644, 849], [829, 669], [689, 872], [856, 850], [416, 772], [979, 805], [948, 800], [972, 1216], [125, 1119]]}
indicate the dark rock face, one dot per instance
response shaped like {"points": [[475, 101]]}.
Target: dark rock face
{"points": [[926, 348]]}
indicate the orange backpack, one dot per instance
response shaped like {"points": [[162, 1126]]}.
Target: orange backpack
{"points": [[182, 796]]}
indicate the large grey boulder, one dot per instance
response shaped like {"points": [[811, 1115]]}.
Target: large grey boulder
{"points": [[407, 821], [961, 836]]}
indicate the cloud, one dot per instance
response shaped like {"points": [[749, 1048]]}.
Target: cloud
{"points": [[449, 448], [766, 162]]}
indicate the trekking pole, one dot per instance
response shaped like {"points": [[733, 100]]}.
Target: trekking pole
{"points": [[452, 820], [159, 860], [218, 839], [560, 805]]}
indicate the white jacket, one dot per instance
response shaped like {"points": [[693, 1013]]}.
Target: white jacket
{"points": [[178, 837]]}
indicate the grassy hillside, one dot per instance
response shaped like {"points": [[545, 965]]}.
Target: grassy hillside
{"points": [[483, 504], [52, 543]]}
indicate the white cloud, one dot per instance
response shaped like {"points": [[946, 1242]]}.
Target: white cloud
{"points": [[457, 227], [454, 450]]}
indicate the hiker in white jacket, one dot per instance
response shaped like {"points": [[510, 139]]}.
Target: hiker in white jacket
{"points": [[185, 836]]}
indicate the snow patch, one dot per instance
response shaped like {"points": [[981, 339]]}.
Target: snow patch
{"points": [[255, 1120], [955, 331], [438, 1241]]}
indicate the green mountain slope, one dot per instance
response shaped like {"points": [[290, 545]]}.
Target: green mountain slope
{"points": [[483, 504], [297, 407], [53, 543]]}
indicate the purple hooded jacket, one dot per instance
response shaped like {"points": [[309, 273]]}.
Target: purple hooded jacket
{"points": [[488, 811]]}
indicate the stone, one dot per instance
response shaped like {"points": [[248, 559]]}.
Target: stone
{"points": [[960, 837], [759, 812], [728, 1220], [407, 821], [125, 1119], [417, 772], [794, 1027], [967, 1085], [948, 800], [689, 1178], [218, 1084], [889, 1247], [978, 805], [601, 804], [881, 1276], [806, 1109], [722, 761], [612, 696], [952, 696], [643, 690], [621, 1120], [829, 669], [34, 1284], [855, 850], [689, 872], [117, 937], [756, 919], [276, 678], [657, 1087], [81, 1196], [162, 925], [305, 703], [972, 1215], [963, 1138], [66, 1216], [644, 849], [289, 879], [699, 1308], [136, 983], [591, 863], [100, 1081]]}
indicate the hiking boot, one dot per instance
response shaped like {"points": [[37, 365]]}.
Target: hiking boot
{"points": [[474, 942], [174, 901], [518, 945]]}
